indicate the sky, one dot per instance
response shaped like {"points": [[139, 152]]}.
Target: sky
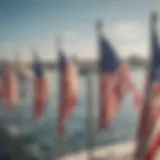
{"points": [[27, 25]]}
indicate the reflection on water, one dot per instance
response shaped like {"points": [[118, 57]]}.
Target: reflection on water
{"points": [[43, 132]]}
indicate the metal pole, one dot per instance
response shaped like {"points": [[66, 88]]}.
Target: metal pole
{"points": [[16, 69], [141, 147], [99, 32], [61, 140], [90, 115]]}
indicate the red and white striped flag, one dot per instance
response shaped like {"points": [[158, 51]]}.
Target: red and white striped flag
{"points": [[41, 90], [153, 149], [115, 83], [1, 83], [68, 92], [148, 137], [11, 92], [125, 84]]}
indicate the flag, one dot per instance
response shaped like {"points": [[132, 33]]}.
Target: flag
{"points": [[41, 90], [68, 91], [148, 136], [1, 83], [154, 136], [11, 92], [23, 74], [115, 83], [125, 84]]}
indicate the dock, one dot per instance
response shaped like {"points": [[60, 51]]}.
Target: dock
{"points": [[12, 143], [22, 147], [122, 151]]}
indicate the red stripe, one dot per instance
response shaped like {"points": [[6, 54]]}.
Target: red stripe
{"points": [[113, 88], [155, 145], [154, 148], [108, 100], [2, 89], [68, 96], [148, 121], [11, 92], [41, 96]]}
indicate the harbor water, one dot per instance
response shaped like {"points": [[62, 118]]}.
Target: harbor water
{"points": [[42, 133]]}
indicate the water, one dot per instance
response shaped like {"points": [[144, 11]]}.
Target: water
{"points": [[43, 133]]}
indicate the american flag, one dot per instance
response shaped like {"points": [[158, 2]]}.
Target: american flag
{"points": [[115, 82], [11, 92], [1, 83], [148, 137], [68, 91], [41, 89], [153, 142]]}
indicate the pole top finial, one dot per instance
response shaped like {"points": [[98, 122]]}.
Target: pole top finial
{"points": [[154, 17], [59, 42], [17, 53], [35, 54], [154, 21], [99, 25]]}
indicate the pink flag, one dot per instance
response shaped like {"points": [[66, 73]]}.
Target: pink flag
{"points": [[41, 90], [11, 87], [148, 146], [68, 92], [115, 83], [2, 89], [126, 84], [148, 136]]}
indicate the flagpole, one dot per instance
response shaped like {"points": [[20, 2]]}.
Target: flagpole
{"points": [[16, 69], [140, 146], [61, 140], [92, 132], [35, 121], [99, 31], [89, 114]]}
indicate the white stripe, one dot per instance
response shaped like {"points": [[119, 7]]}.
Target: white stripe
{"points": [[155, 131], [157, 156]]}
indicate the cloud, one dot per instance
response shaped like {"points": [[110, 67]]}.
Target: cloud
{"points": [[82, 50], [129, 38], [70, 35], [138, 49], [47, 52], [127, 31], [8, 51]]}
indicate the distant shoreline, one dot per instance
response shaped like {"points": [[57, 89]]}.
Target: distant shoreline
{"points": [[86, 65]]}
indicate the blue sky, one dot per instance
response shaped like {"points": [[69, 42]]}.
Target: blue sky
{"points": [[29, 24]]}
